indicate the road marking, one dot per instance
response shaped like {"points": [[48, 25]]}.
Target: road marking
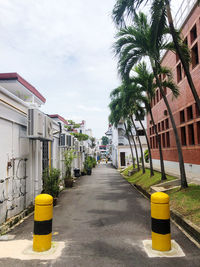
{"points": [[176, 250]]}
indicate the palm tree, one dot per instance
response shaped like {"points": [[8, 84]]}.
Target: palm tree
{"points": [[134, 43], [129, 128], [134, 99], [161, 11], [145, 79], [117, 114], [128, 137]]}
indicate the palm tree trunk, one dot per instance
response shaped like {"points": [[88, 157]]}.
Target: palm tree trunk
{"points": [[178, 144], [136, 152], [150, 157], [133, 160], [177, 47], [162, 167], [142, 157]]}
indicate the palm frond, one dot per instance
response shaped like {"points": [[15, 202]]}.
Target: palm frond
{"points": [[172, 86]]}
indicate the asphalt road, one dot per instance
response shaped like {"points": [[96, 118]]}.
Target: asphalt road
{"points": [[104, 221]]}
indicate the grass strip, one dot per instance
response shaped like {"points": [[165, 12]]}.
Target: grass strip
{"points": [[144, 180], [185, 201]]}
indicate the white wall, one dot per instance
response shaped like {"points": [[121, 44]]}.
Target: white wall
{"points": [[18, 155]]}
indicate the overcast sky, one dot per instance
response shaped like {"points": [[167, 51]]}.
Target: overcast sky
{"points": [[63, 48]]}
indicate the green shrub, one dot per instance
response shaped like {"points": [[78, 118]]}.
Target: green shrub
{"points": [[88, 164], [51, 182], [146, 155]]}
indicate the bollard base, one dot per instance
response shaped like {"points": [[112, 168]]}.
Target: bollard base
{"points": [[42, 242], [175, 251], [161, 242], [22, 250]]}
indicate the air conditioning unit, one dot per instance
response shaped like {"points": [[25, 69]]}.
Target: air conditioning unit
{"points": [[48, 128], [36, 123], [63, 140]]}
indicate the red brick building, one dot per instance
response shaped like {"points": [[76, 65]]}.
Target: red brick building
{"points": [[184, 109]]}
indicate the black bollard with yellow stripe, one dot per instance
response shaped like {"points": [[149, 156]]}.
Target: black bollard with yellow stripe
{"points": [[160, 222], [43, 215]]}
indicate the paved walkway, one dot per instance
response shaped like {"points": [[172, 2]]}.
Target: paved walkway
{"points": [[103, 221]]}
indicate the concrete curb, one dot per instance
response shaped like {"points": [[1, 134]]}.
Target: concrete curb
{"points": [[12, 222], [192, 230]]}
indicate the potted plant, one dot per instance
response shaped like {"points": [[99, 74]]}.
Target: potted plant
{"points": [[69, 156], [88, 165], [51, 183]]}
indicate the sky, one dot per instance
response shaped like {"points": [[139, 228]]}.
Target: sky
{"points": [[64, 49]]}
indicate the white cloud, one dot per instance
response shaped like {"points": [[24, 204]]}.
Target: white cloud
{"points": [[63, 48], [90, 108]]}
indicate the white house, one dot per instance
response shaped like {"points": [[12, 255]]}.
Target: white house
{"points": [[119, 145], [20, 156]]}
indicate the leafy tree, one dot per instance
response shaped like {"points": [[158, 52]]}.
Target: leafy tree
{"points": [[105, 140], [72, 125], [93, 141], [80, 136]]}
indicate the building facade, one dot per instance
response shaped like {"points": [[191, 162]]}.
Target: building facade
{"points": [[184, 109], [119, 145]]}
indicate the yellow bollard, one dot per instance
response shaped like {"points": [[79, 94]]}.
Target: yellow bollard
{"points": [[43, 216], [160, 222]]}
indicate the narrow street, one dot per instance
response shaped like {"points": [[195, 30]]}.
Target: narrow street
{"points": [[103, 221]]}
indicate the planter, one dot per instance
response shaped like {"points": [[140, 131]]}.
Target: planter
{"points": [[68, 182], [77, 173], [89, 171]]}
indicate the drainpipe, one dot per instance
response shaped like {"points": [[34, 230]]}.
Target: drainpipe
{"points": [[36, 186]]}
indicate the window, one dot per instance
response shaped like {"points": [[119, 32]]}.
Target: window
{"points": [[186, 41], [167, 139], [165, 90], [193, 34], [150, 130], [197, 111], [191, 134], [195, 56], [166, 124], [198, 132], [179, 73], [159, 126], [140, 132], [182, 116], [163, 139], [157, 96], [156, 142], [189, 113], [163, 125], [151, 142], [183, 136]]}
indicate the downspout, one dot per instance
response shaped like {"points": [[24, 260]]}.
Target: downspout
{"points": [[36, 187]]}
